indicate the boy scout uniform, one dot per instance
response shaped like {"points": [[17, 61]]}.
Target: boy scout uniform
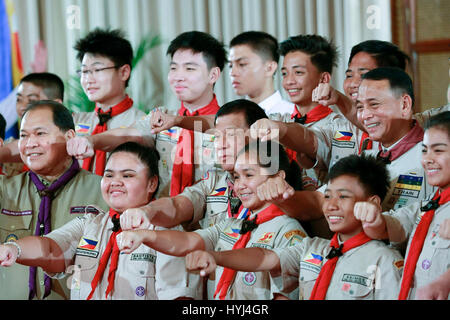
{"points": [[424, 116], [408, 179], [371, 271], [166, 144], [434, 260], [279, 232], [83, 241], [19, 205], [85, 122]]}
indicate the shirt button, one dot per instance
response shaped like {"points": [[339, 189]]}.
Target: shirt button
{"points": [[13, 228], [41, 283], [142, 272]]}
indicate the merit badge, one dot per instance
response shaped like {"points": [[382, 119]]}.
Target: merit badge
{"points": [[11, 237], [426, 264]]}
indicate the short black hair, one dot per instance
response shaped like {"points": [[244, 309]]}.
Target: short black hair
{"points": [[262, 43], [399, 81], [62, 117], [440, 121], [147, 155], [273, 156], [51, 84], [370, 171], [2, 126], [213, 50], [322, 52], [252, 111], [386, 54], [111, 44]]}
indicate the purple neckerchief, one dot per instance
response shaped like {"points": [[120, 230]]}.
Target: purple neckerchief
{"points": [[43, 222]]}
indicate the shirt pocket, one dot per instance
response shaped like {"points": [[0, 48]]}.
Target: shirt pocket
{"points": [[307, 281], [354, 291], [141, 275], [440, 261], [83, 273], [16, 225]]}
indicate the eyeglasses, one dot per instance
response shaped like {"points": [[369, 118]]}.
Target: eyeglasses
{"points": [[83, 73]]}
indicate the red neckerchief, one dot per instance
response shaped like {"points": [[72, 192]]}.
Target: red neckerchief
{"points": [[413, 137], [227, 277], [100, 156], [183, 165], [318, 113], [323, 281], [111, 250], [369, 143], [415, 248]]}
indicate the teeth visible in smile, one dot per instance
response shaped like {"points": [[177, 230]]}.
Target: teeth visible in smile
{"points": [[372, 125], [293, 90], [335, 218], [354, 94], [433, 170]]}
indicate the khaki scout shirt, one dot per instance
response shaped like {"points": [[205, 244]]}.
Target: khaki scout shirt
{"points": [[166, 144], [369, 272], [83, 241], [19, 205], [434, 259], [408, 180], [279, 232], [319, 172]]}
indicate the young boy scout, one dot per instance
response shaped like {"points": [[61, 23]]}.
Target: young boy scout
{"points": [[253, 62], [106, 58], [352, 266], [197, 60], [51, 194]]}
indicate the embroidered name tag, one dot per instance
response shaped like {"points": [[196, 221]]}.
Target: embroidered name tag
{"points": [[17, 213], [148, 257], [354, 278], [83, 210]]}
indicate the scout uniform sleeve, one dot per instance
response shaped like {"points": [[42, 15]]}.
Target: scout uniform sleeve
{"points": [[172, 279], [211, 235], [144, 128], [68, 238], [387, 275], [197, 194], [287, 280], [401, 222]]}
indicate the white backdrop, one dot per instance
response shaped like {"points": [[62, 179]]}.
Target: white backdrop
{"points": [[61, 22]]}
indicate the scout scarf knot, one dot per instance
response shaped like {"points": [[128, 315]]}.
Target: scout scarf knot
{"points": [[326, 273], [318, 113], [43, 225], [111, 251], [104, 117], [183, 165], [418, 240], [227, 277], [413, 137]]}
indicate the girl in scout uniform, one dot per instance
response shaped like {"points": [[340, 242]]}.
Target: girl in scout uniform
{"points": [[87, 247], [351, 266], [423, 222], [259, 224]]}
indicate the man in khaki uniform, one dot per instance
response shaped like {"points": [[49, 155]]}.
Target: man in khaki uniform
{"points": [[42, 149]]}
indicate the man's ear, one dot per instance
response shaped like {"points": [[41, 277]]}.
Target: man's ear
{"points": [[325, 77], [214, 75], [375, 200], [125, 72], [270, 67], [152, 185], [406, 106], [69, 134]]}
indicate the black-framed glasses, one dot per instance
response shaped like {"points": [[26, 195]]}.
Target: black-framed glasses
{"points": [[83, 73]]}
